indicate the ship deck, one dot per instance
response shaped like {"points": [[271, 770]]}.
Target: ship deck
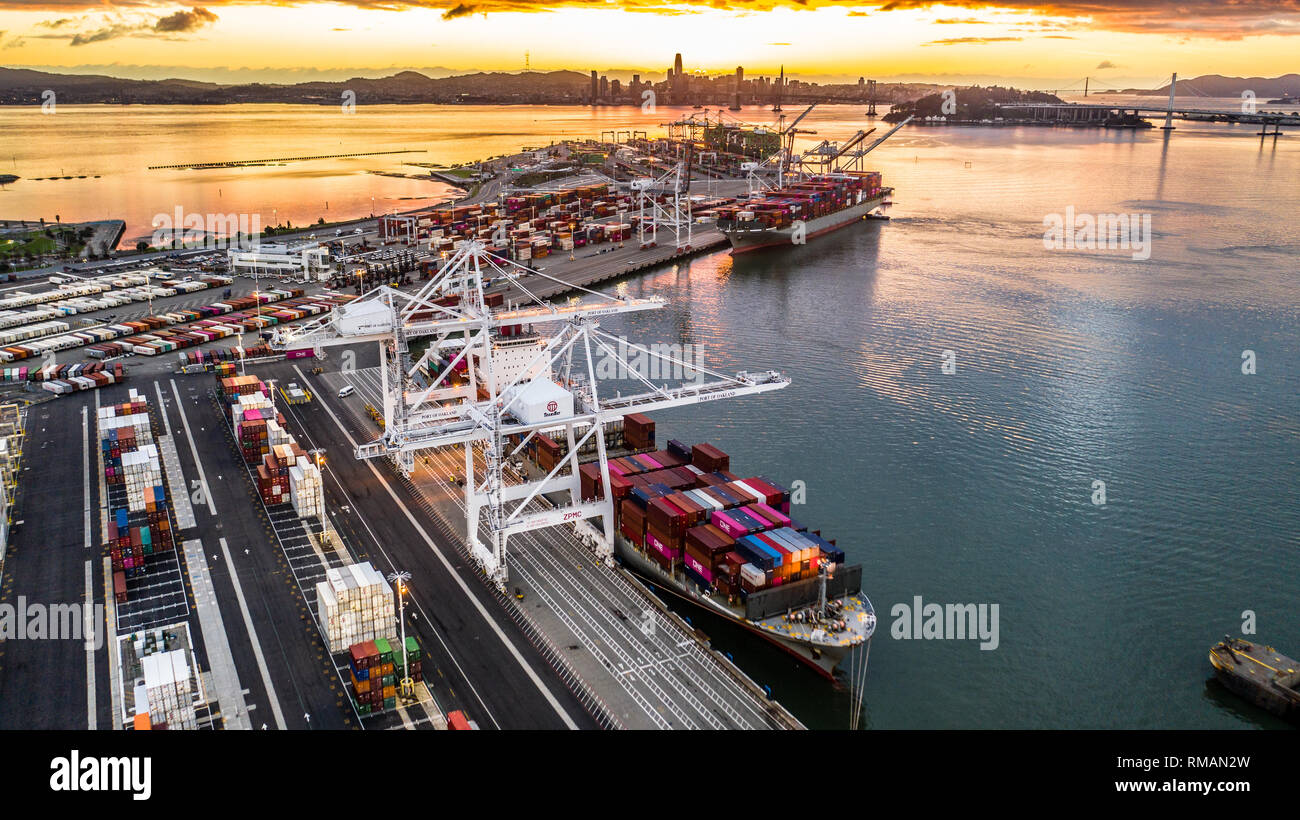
{"points": [[856, 612], [856, 608], [1260, 665]]}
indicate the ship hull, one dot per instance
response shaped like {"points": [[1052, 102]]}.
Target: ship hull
{"points": [[745, 240], [1247, 680], [822, 659]]}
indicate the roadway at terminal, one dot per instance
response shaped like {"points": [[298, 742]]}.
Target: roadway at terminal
{"points": [[474, 662]]}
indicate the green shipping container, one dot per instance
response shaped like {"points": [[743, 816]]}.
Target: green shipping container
{"points": [[412, 649], [385, 650]]}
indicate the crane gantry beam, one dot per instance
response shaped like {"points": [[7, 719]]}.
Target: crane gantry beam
{"points": [[472, 387]]}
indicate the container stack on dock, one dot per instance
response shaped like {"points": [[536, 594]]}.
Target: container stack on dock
{"points": [[167, 690], [305, 487], [274, 473], [258, 427], [173, 330], [375, 668], [139, 521], [354, 605], [683, 508], [70, 378], [223, 360]]}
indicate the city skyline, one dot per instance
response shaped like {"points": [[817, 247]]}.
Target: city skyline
{"points": [[1119, 44]]}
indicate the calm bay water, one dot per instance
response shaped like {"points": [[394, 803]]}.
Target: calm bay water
{"points": [[975, 487]]}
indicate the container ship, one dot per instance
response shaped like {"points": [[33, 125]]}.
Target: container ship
{"points": [[800, 211], [1260, 674], [687, 525]]}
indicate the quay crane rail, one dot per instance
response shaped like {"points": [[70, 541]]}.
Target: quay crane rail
{"points": [[483, 408]]}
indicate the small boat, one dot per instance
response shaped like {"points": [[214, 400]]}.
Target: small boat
{"points": [[1260, 674]]}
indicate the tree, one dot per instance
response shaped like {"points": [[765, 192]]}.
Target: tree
{"points": [[142, 246]]}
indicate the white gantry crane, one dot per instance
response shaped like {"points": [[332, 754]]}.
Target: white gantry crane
{"points": [[674, 212], [478, 381]]}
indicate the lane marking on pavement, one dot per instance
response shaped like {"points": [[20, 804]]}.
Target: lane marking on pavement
{"points": [[528, 670], [85, 467], [110, 638], [88, 629], [252, 636], [198, 462]]}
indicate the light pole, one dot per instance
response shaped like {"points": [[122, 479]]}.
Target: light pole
{"points": [[319, 455], [400, 578], [270, 383]]}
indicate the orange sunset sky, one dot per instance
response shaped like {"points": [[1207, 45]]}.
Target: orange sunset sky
{"points": [[1116, 43]]}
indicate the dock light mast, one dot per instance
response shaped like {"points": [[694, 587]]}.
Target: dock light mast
{"points": [[399, 579], [478, 384], [318, 455]]}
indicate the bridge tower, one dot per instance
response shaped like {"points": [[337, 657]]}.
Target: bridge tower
{"points": [[1169, 115], [871, 98]]}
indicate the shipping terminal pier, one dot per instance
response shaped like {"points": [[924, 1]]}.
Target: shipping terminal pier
{"points": [[342, 485]]}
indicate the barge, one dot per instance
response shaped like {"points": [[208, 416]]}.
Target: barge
{"points": [[1260, 674]]}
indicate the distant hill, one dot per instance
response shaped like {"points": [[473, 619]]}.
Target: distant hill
{"points": [[1216, 85], [972, 103], [25, 87]]}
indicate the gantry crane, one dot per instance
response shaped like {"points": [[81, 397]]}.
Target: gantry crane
{"points": [[479, 387]]}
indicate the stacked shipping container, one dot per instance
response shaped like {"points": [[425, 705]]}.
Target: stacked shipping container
{"points": [[684, 509], [168, 690], [375, 667], [139, 522], [354, 604]]}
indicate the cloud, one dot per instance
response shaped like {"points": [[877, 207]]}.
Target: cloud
{"points": [[108, 33], [1207, 19], [962, 41], [961, 21], [185, 21], [1106, 64], [90, 28]]}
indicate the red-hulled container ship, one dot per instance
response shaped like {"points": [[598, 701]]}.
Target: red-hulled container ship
{"points": [[727, 544], [800, 211]]}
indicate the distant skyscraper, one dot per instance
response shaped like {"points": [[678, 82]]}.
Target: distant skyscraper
{"points": [[677, 64], [595, 86], [740, 75], [615, 88], [604, 87]]}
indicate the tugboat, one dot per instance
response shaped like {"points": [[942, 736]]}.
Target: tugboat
{"points": [[1260, 674]]}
